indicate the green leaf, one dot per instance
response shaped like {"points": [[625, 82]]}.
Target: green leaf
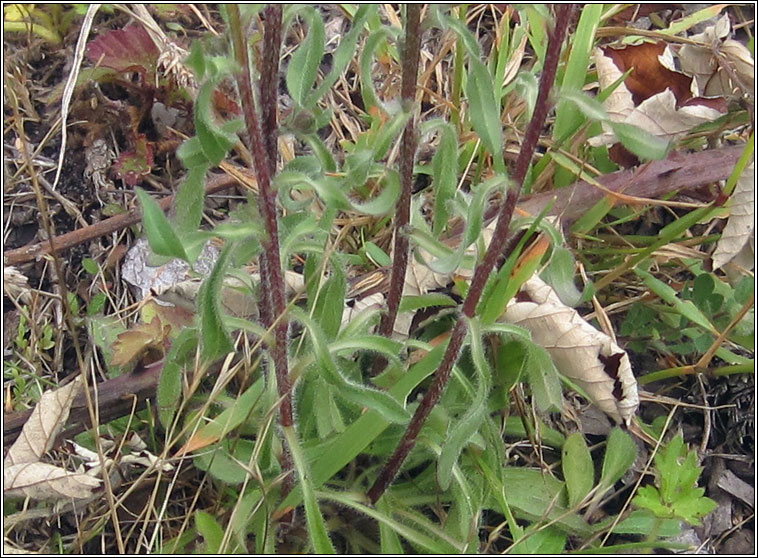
{"points": [[368, 92], [160, 235], [210, 530], [215, 140], [330, 304], [169, 390], [685, 307], [376, 254], [304, 63], [385, 201], [578, 469], [195, 61], [462, 432], [343, 55], [387, 133], [642, 522], [191, 153], [543, 542], [383, 402], [468, 38], [588, 106], [410, 303], [536, 495], [240, 409], [503, 287], [648, 497], [226, 460], [474, 221], [96, 304], [484, 111], [350, 344], [582, 43], [317, 531], [620, 453], [188, 202], [215, 339], [444, 175], [543, 379], [643, 144], [90, 266], [559, 274], [512, 357]]}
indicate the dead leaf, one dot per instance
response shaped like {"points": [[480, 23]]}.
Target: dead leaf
{"points": [[661, 101], [740, 227], [44, 424], [583, 354], [134, 342], [707, 63], [41, 481], [649, 76]]}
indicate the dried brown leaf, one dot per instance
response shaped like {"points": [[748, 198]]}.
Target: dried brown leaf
{"points": [[706, 63], [41, 481], [583, 354], [740, 228], [44, 424]]}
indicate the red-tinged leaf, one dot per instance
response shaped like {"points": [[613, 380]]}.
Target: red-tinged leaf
{"points": [[133, 343], [133, 166], [125, 50]]}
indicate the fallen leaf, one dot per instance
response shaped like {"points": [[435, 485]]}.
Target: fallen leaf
{"points": [[41, 481], [43, 425], [583, 354], [134, 342], [132, 166], [707, 63], [654, 97], [740, 227]]}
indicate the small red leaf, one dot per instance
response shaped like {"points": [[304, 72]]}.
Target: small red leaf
{"points": [[133, 166], [125, 50]]}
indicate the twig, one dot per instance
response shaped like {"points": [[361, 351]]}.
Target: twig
{"points": [[106, 226]]}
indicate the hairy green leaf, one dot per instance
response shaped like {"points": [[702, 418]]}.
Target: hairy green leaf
{"points": [[161, 236], [304, 64], [215, 339], [578, 469]]}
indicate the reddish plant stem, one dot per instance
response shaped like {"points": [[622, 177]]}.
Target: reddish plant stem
{"points": [[269, 87], [269, 82], [482, 272], [267, 203], [407, 154]]}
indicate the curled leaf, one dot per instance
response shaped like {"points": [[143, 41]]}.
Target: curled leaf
{"points": [[41, 481], [43, 425], [583, 354], [739, 232]]}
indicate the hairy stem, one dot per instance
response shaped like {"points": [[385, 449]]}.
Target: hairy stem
{"points": [[267, 202], [407, 154], [269, 88], [482, 272]]}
